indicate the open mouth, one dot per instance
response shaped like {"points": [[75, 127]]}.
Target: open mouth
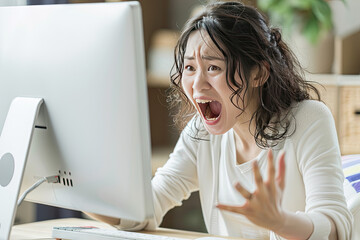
{"points": [[210, 109]]}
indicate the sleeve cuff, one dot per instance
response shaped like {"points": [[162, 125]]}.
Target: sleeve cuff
{"points": [[322, 225], [129, 225]]}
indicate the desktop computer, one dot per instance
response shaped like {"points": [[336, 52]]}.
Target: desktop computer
{"points": [[73, 105]]}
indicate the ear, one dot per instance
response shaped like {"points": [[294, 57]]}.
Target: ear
{"points": [[260, 74]]}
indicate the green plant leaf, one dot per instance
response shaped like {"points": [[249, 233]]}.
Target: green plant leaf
{"points": [[312, 16], [265, 5], [284, 19], [311, 29], [322, 12], [300, 4]]}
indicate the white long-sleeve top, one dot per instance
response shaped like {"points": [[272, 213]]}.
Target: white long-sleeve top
{"points": [[313, 186]]}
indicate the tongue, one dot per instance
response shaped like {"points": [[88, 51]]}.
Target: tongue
{"points": [[215, 107]]}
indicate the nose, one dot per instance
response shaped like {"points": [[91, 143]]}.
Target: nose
{"points": [[200, 82]]}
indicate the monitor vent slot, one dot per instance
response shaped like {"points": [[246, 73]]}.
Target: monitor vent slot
{"points": [[66, 179]]}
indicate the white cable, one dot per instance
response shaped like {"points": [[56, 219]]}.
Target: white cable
{"points": [[51, 179]]}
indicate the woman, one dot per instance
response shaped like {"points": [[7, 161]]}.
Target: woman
{"points": [[240, 85]]}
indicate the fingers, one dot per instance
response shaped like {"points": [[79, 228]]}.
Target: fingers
{"points": [[271, 167], [257, 176], [245, 193], [270, 183], [280, 179], [234, 209]]}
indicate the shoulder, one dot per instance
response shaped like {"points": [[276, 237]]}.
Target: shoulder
{"points": [[310, 109], [309, 112], [312, 121]]}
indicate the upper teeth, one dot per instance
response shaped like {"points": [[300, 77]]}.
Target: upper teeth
{"points": [[203, 101]]}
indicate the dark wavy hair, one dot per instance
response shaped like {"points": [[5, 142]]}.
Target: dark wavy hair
{"points": [[243, 36]]}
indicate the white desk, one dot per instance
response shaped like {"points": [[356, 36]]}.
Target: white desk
{"points": [[42, 230]]}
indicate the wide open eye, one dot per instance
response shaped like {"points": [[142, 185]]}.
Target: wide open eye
{"points": [[213, 68], [189, 68]]}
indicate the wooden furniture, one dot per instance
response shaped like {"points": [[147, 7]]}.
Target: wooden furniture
{"points": [[341, 93], [42, 230], [347, 54]]}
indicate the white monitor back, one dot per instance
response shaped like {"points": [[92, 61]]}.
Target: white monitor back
{"points": [[87, 62]]}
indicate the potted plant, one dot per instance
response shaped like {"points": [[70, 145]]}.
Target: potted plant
{"points": [[307, 26]]}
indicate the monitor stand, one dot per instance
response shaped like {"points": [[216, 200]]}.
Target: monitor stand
{"points": [[15, 143]]}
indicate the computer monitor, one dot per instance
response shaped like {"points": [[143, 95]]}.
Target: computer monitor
{"points": [[86, 62]]}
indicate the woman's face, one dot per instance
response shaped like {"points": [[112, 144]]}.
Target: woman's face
{"points": [[204, 82]]}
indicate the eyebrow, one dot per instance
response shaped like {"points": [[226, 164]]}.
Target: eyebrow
{"points": [[205, 58]]}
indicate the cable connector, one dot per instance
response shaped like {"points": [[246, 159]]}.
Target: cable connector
{"points": [[50, 179], [53, 179]]}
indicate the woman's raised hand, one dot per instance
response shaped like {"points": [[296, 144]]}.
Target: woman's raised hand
{"points": [[263, 206]]}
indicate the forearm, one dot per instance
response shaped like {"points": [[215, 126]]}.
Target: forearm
{"points": [[295, 226], [105, 219], [300, 227]]}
